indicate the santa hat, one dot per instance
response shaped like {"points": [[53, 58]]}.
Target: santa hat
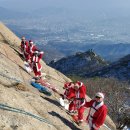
{"points": [[36, 52], [79, 84], [67, 85], [99, 94], [30, 41]]}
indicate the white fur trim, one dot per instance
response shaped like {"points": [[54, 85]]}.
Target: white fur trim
{"points": [[31, 49], [81, 84], [94, 126], [41, 52], [99, 105], [36, 59], [81, 120], [92, 110], [82, 104], [38, 69]]}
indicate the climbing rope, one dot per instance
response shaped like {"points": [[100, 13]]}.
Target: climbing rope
{"points": [[9, 108], [9, 59], [11, 78]]}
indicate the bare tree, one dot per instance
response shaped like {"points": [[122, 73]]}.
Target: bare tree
{"points": [[124, 118]]}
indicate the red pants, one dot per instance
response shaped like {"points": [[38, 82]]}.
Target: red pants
{"points": [[72, 107], [80, 113], [26, 56], [37, 73]]}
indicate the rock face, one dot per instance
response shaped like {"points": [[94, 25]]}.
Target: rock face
{"points": [[79, 64], [21, 98]]}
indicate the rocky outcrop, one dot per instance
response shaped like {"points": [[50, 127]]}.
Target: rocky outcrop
{"points": [[25, 108], [119, 69], [79, 64]]}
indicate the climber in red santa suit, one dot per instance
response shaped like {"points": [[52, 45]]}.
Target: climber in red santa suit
{"points": [[35, 63], [24, 48], [69, 87], [31, 49], [97, 112], [80, 94], [69, 94]]}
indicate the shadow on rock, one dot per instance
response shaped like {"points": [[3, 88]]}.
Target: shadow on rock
{"points": [[64, 120], [52, 101]]}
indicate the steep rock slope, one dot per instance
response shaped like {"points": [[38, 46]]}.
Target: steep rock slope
{"points": [[16, 92]]}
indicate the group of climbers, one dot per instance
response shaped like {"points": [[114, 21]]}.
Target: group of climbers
{"points": [[75, 93], [32, 56]]}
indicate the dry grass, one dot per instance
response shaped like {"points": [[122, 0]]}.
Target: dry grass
{"points": [[21, 87]]}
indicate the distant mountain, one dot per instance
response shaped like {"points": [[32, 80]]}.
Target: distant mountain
{"points": [[107, 49], [50, 53], [49, 10], [10, 14], [119, 70], [79, 64]]}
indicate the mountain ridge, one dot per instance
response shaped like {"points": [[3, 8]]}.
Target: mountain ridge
{"points": [[79, 63], [119, 69]]}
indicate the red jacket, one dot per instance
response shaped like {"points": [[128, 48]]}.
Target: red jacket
{"points": [[80, 94], [31, 49], [35, 61], [96, 115], [24, 46], [69, 91]]}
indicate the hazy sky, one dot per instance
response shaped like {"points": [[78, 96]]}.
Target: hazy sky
{"points": [[89, 9], [79, 4]]}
